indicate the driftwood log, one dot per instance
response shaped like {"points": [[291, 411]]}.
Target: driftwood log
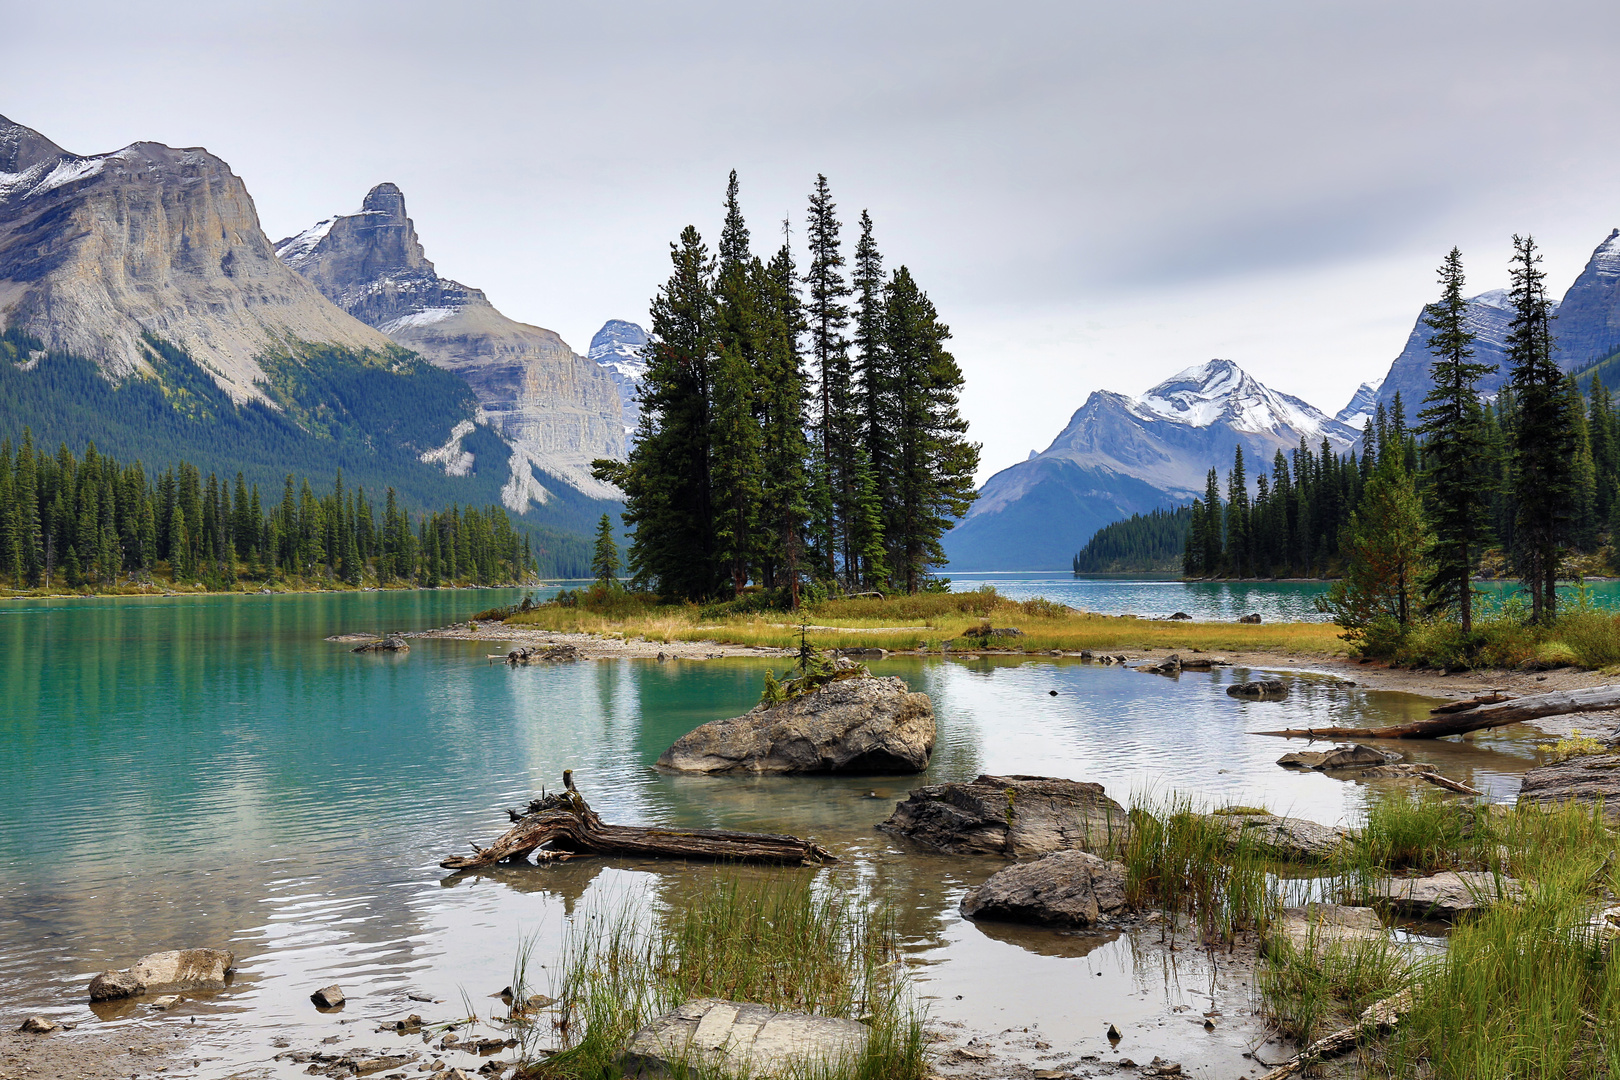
{"points": [[1460, 717], [561, 825], [1377, 1018]]}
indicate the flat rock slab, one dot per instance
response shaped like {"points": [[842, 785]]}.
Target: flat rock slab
{"points": [[1012, 816], [1591, 779], [179, 969], [1315, 927], [1339, 757], [1067, 888], [1290, 839], [1446, 895], [736, 1037], [1260, 689], [861, 725]]}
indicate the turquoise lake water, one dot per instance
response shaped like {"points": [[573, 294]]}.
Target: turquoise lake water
{"points": [[1274, 601], [210, 771]]}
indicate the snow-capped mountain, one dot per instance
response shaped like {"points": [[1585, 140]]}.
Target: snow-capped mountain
{"points": [[1121, 455], [1363, 405], [617, 347]]}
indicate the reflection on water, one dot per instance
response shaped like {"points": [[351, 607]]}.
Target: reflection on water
{"points": [[209, 771]]}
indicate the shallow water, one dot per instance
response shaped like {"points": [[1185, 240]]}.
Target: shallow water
{"points": [[210, 771], [1217, 601]]}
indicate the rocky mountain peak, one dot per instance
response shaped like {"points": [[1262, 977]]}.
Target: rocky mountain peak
{"points": [[1362, 406], [558, 410], [98, 251], [22, 148], [1221, 392], [618, 349], [387, 199]]}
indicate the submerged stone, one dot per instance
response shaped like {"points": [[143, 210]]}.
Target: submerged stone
{"points": [[1259, 690], [732, 1037], [1314, 927], [1067, 888], [1011, 816], [178, 969], [1448, 894]]}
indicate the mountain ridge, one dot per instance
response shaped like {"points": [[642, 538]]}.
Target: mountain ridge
{"points": [[559, 410], [1120, 455]]}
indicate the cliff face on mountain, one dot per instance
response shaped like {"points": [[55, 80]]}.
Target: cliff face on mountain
{"points": [[1362, 406], [1121, 455], [558, 410], [1488, 318], [618, 350], [98, 251], [1588, 325]]}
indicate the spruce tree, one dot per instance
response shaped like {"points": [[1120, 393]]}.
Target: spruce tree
{"points": [[1214, 531], [783, 399], [735, 465], [837, 424], [605, 555], [1456, 483], [1544, 436], [877, 418], [1237, 517], [934, 462], [666, 479]]}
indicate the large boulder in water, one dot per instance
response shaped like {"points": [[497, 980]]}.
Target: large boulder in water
{"points": [[1066, 888], [850, 725], [1011, 816], [165, 972]]}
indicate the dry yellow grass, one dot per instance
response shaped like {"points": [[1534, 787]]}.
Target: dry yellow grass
{"points": [[903, 623]]}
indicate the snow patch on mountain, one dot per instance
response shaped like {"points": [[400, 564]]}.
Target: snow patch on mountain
{"points": [[295, 249], [619, 347], [1361, 407], [1221, 392]]}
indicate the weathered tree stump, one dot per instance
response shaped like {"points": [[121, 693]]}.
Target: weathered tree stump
{"points": [[562, 825]]}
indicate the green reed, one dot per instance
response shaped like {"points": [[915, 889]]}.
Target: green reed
{"points": [[782, 942]]}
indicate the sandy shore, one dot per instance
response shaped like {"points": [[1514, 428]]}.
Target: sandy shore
{"points": [[592, 646]]}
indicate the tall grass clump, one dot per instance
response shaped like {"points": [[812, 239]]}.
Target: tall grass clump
{"points": [[1530, 987], [1308, 990], [1205, 866], [783, 943]]}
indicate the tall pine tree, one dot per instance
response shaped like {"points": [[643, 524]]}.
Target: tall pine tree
{"points": [[1456, 482]]}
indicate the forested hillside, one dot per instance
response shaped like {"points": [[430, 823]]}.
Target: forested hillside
{"points": [[1143, 543], [368, 415], [93, 522]]}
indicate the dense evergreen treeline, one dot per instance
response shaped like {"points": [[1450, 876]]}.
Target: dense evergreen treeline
{"points": [[794, 430], [1152, 541], [1535, 473], [72, 522], [367, 415]]}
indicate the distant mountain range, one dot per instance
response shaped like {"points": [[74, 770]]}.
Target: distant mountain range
{"points": [[146, 310], [1121, 455]]}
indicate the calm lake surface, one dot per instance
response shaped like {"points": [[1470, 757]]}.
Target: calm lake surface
{"points": [[209, 771], [1219, 601]]}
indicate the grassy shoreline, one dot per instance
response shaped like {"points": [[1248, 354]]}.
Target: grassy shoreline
{"points": [[928, 623]]}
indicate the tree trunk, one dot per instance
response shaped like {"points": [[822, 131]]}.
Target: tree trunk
{"points": [[1465, 716], [562, 826]]}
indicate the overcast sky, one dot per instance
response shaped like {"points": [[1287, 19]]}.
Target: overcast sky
{"points": [[1095, 194]]}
